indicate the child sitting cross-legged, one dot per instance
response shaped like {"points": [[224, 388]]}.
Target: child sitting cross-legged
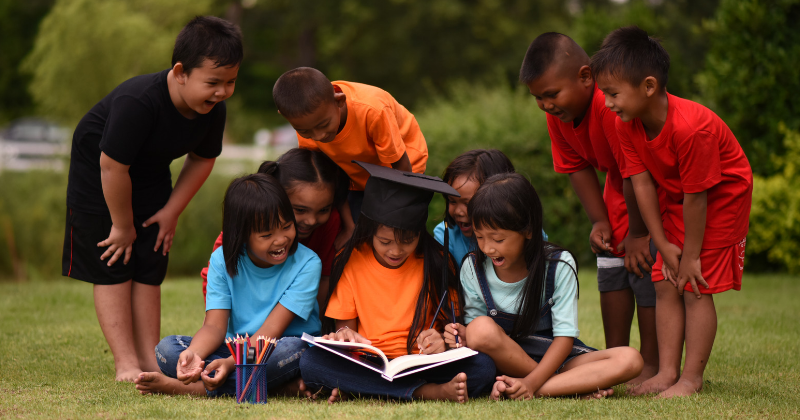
{"points": [[520, 303], [261, 282]]}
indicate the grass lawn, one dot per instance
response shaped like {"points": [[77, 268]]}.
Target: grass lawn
{"points": [[55, 363]]}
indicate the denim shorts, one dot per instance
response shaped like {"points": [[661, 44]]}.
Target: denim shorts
{"points": [[536, 346]]}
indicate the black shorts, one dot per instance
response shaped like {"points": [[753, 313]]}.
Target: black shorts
{"points": [[81, 258]]}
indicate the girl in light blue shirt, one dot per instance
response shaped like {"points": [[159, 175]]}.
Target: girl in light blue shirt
{"points": [[520, 303]]}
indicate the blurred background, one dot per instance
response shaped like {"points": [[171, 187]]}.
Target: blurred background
{"points": [[453, 63]]}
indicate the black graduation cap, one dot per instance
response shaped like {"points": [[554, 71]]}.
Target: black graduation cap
{"points": [[400, 199]]}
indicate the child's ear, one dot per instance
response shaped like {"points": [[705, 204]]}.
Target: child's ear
{"points": [[529, 235], [340, 98], [650, 86], [585, 76], [179, 74]]}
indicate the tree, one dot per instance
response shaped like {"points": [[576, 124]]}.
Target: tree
{"points": [[751, 76]]}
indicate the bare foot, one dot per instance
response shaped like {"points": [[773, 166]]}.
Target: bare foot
{"points": [[597, 395], [654, 385], [647, 373], [336, 396], [158, 383], [128, 375], [455, 390], [682, 388], [296, 388]]}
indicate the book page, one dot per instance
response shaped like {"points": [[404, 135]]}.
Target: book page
{"points": [[400, 364]]}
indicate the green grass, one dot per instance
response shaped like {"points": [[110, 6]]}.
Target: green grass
{"points": [[55, 363]]}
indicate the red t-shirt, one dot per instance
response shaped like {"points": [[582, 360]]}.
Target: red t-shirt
{"points": [[695, 152], [594, 143], [320, 241]]}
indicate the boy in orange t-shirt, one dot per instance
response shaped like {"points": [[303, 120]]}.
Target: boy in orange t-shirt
{"points": [[350, 121]]}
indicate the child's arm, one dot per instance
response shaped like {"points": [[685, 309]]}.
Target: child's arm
{"points": [[587, 187], [694, 221], [647, 199], [637, 244], [206, 341], [117, 189], [194, 173], [404, 164]]}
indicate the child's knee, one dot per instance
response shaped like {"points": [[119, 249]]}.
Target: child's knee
{"points": [[629, 361], [483, 333], [168, 350]]}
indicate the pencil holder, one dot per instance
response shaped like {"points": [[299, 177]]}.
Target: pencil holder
{"points": [[251, 384]]}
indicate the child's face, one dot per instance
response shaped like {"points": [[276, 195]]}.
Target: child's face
{"points": [[389, 252], [565, 96], [271, 247], [626, 100], [457, 206], [205, 86], [506, 249], [312, 205], [321, 125]]}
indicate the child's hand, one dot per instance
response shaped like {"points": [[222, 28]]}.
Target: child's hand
{"points": [[513, 388], [167, 220], [671, 254], [450, 333], [346, 334], [637, 253], [221, 369], [119, 242], [600, 237], [690, 271], [430, 342], [190, 365]]}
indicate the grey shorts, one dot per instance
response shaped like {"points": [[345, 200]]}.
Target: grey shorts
{"points": [[612, 276]]}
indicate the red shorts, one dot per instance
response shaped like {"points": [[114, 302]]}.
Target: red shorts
{"points": [[721, 268]]}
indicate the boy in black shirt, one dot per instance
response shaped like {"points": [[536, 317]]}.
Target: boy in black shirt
{"points": [[121, 207]]}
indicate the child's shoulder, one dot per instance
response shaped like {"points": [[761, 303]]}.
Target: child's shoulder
{"points": [[143, 87], [304, 255], [365, 95], [688, 117], [565, 259]]}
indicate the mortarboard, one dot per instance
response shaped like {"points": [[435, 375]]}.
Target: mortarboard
{"points": [[400, 199]]}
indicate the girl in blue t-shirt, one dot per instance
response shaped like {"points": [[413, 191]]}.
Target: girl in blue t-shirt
{"points": [[261, 282], [465, 174], [520, 303]]}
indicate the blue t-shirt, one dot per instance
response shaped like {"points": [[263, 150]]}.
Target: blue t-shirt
{"points": [[506, 295], [459, 244], [255, 291]]}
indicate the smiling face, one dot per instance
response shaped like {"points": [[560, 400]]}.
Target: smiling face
{"points": [[204, 87], [506, 248], [312, 204], [562, 93], [271, 247], [390, 252], [324, 123], [457, 206], [626, 100]]}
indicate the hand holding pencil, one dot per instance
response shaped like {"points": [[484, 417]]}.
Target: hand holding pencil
{"points": [[453, 331], [430, 342]]}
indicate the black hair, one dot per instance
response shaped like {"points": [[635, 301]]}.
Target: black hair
{"points": [[630, 54], [477, 165], [307, 166], [540, 56], [253, 203], [301, 91], [208, 37], [509, 202], [432, 254]]}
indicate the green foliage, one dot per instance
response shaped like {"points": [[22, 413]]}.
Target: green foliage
{"points": [[478, 117], [675, 23], [751, 78], [85, 48], [775, 214]]}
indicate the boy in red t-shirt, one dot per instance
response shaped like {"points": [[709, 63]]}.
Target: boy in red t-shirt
{"points": [[350, 121], [707, 184], [556, 71]]}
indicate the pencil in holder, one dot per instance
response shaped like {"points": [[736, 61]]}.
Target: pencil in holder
{"points": [[251, 384]]}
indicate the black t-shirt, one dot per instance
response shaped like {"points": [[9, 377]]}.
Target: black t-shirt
{"points": [[138, 125]]}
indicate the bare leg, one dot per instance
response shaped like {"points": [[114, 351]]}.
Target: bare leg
{"points": [[593, 372], [617, 310], [701, 329], [455, 390], [649, 343], [670, 319], [158, 383], [484, 335], [146, 309], [112, 303]]}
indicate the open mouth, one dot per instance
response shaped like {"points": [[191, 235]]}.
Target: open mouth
{"points": [[498, 261], [304, 231], [210, 103], [278, 254], [394, 260]]}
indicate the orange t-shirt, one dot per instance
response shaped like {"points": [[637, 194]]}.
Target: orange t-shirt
{"points": [[378, 131], [383, 299]]}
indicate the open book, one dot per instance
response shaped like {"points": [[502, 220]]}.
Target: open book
{"points": [[373, 358]]}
